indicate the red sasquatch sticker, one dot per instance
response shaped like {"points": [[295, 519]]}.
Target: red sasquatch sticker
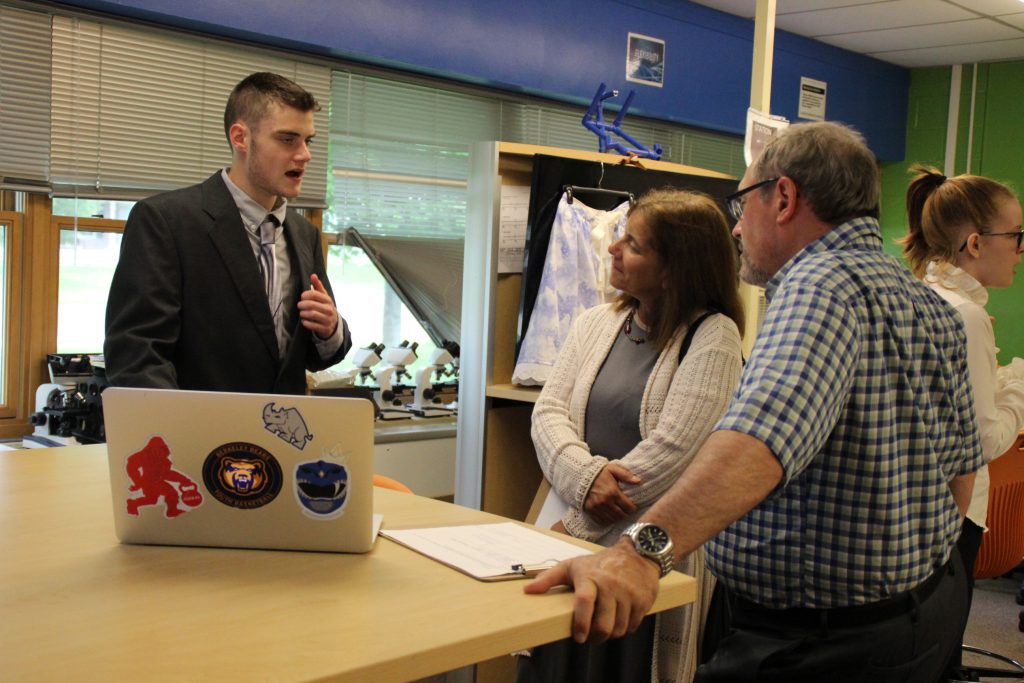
{"points": [[152, 474]]}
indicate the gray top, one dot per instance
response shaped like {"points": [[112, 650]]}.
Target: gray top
{"points": [[613, 409]]}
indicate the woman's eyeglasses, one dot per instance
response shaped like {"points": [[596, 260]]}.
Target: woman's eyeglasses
{"points": [[1018, 233]]}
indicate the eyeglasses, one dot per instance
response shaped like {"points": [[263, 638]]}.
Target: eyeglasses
{"points": [[1018, 233], [735, 202]]}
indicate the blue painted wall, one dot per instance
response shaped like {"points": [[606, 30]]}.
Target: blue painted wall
{"points": [[562, 49]]}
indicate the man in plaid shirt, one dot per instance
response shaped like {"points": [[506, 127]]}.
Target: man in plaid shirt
{"points": [[832, 491]]}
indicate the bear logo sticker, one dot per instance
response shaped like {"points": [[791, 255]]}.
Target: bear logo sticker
{"points": [[242, 475]]}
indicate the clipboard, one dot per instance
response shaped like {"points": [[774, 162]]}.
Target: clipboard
{"points": [[488, 552]]}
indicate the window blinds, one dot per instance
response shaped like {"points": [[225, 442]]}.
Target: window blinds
{"points": [[137, 111], [400, 163], [400, 150], [24, 99], [400, 155]]}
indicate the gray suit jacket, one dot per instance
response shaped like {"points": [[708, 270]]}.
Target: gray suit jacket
{"points": [[187, 307]]}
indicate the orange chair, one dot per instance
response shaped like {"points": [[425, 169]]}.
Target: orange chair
{"points": [[389, 483], [1002, 546]]}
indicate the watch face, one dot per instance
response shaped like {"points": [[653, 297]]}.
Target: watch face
{"points": [[652, 539]]}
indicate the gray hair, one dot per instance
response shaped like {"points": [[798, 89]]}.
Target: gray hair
{"points": [[830, 164]]}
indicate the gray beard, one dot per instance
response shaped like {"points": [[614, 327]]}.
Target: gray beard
{"points": [[751, 274]]}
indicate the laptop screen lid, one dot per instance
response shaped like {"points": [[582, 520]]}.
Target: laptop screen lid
{"points": [[240, 470]]}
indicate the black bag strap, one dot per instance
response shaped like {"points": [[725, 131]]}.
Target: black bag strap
{"points": [[688, 339]]}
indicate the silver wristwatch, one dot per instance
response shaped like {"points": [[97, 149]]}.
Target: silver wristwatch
{"points": [[653, 542]]}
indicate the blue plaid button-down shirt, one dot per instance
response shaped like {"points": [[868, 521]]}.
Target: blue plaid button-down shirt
{"points": [[858, 384]]}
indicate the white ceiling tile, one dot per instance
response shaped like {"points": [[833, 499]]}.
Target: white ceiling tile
{"points": [[931, 35], [741, 8], [1016, 20], [905, 32], [791, 6], [898, 13], [989, 7], [963, 54]]}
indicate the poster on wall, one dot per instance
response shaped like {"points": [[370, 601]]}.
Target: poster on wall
{"points": [[812, 99], [761, 128], [645, 60]]}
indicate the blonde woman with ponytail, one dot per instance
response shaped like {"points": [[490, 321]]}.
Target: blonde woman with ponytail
{"points": [[964, 237]]}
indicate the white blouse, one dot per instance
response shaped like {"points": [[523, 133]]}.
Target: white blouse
{"points": [[998, 392], [576, 273]]}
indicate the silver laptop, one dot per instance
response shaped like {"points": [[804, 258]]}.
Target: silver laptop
{"points": [[241, 470]]}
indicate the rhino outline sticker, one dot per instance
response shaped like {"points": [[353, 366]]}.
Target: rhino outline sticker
{"points": [[287, 424]]}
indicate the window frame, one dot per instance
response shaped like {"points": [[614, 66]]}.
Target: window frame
{"points": [[11, 327], [59, 223]]}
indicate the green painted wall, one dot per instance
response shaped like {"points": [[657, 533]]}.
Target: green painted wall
{"points": [[997, 151], [927, 111]]}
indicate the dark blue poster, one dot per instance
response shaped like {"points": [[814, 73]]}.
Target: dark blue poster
{"points": [[645, 60]]}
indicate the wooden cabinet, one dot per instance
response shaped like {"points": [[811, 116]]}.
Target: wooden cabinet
{"points": [[496, 465]]}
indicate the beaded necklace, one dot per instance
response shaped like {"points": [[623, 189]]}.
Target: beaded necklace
{"points": [[627, 329]]}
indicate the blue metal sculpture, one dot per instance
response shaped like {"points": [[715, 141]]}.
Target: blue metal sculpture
{"points": [[594, 121]]}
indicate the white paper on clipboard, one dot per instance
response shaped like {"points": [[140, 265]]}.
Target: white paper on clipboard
{"points": [[489, 552]]}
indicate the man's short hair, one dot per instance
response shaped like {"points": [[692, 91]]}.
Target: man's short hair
{"points": [[252, 97], [830, 164]]}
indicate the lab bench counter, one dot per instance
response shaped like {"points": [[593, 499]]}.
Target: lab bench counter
{"points": [[76, 605], [418, 452]]}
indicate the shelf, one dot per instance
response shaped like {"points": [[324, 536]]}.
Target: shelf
{"points": [[526, 150], [513, 392], [414, 429]]}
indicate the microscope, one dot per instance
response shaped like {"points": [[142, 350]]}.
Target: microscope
{"points": [[427, 401], [389, 394], [364, 359], [68, 408]]}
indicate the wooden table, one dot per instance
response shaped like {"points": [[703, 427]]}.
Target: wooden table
{"points": [[76, 605]]}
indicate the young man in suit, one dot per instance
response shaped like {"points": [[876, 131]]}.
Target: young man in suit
{"points": [[220, 286]]}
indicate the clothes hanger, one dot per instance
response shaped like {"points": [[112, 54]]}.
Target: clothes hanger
{"points": [[571, 190]]}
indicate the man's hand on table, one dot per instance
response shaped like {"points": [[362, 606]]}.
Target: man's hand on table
{"points": [[614, 590]]}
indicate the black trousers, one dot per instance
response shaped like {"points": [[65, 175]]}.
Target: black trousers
{"points": [[616, 661], [969, 544], [913, 645]]}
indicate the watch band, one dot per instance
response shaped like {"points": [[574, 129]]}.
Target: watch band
{"points": [[662, 556]]}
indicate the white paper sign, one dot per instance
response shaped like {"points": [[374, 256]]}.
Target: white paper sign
{"points": [[812, 99], [515, 209], [761, 128]]}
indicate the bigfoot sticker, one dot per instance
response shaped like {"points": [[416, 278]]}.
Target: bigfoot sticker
{"points": [[242, 475], [155, 481]]}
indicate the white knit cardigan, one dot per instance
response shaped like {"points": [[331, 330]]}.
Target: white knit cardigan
{"points": [[680, 406]]}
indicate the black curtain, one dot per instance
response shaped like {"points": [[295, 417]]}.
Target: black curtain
{"points": [[551, 173]]}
